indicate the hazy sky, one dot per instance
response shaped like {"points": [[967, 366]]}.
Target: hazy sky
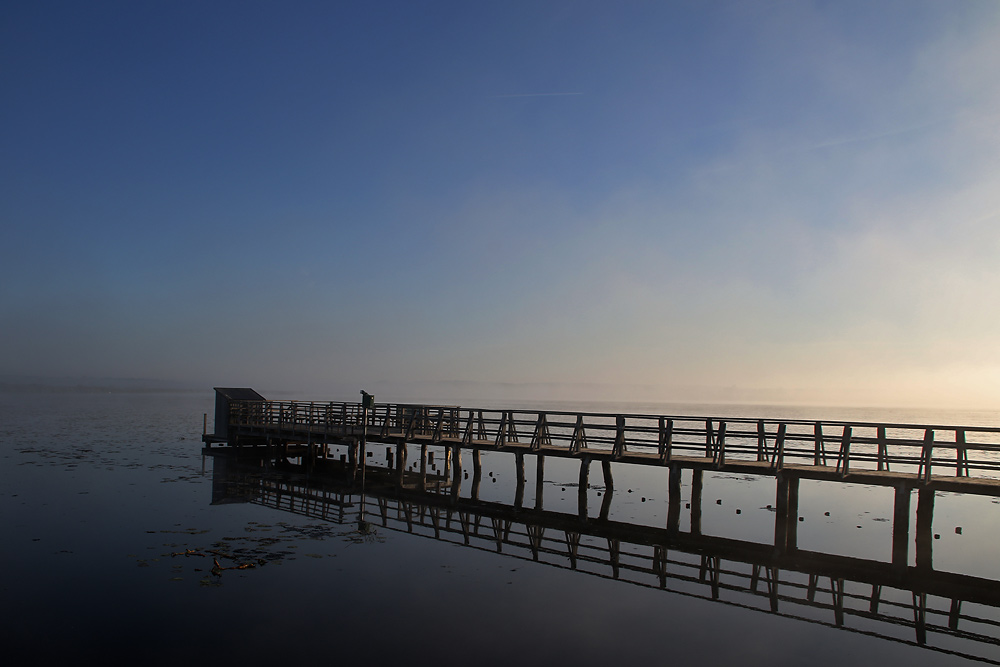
{"points": [[755, 201]]}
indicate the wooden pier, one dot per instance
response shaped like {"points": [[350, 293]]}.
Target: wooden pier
{"points": [[942, 611], [963, 459], [925, 458]]}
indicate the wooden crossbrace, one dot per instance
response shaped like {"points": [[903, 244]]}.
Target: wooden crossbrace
{"points": [[819, 456], [837, 591], [920, 617], [507, 431], [660, 563], [498, 533], [778, 454], [926, 456], [411, 426], [469, 428], [844, 456], [437, 428], [464, 519], [579, 440], [719, 449], [502, 431], [614, 555], [883, 449], [710, 569], [435, 521], [541, 436], [618, 450], [408, 511], [954, 614], [535, 535], [773, 575], [666, 439], [572, 546]]}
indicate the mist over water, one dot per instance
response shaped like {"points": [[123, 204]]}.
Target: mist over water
{"points": [[121, 541]]}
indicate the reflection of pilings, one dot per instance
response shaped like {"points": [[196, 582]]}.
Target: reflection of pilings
{"points": [[793, 516], [674, 499], [539, 480], [925, 519], [609, 490], [920, 610], [834, 582], [423, 467], [456, 481], [400, 462], [352, 451], [786, 514], [477, 472], [697, 483], [900, 528], [584, 485], [354, 456], [519, 492]]}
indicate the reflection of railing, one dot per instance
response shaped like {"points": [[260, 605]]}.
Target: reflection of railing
{"points": [[944, 612], [917, 450]]}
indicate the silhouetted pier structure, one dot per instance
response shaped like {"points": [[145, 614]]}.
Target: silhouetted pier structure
{"points": [[905, 457], [952, 613]]}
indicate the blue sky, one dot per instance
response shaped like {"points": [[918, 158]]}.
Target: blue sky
{"points": [[749, 201]]}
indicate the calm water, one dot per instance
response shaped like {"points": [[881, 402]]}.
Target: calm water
{"points": [[113, 524]]}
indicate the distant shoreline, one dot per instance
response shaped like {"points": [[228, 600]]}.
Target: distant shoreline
{"points": [[7, 388]]}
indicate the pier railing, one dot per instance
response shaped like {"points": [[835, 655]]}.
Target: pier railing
{"points": [[845, 446]]}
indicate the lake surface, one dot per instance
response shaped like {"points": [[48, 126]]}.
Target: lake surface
{"points": [[117, 530]]}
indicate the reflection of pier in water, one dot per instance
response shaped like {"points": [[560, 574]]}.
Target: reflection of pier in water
{"points": [[946, 612]]}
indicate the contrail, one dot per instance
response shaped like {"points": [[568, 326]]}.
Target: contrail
{"points": [[497, 97]]}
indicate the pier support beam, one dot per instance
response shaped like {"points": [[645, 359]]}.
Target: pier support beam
{"points": [[477, 472], [400, 462], [539, 480], [584, 485], [609, 490], [901, 528], [456, 480], [352, 452], [786, 519], [674, 499], [423, 468], [925, 530], [519, 472], [697, 483]]}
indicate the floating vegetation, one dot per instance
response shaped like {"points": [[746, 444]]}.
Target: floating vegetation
{"points": [[259, 545]]}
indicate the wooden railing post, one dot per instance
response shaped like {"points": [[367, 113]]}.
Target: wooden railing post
{"points": [[778, 456], [883, 450], [719, 453], [926, 456], [761, 441], [666, 439], [579, 440], [961, 455], [541, 436], [618, 450], [844, 457], [819, 458]]}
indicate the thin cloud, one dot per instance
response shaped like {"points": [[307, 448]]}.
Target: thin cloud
{"points": [[500, 97], [864, 138]]}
